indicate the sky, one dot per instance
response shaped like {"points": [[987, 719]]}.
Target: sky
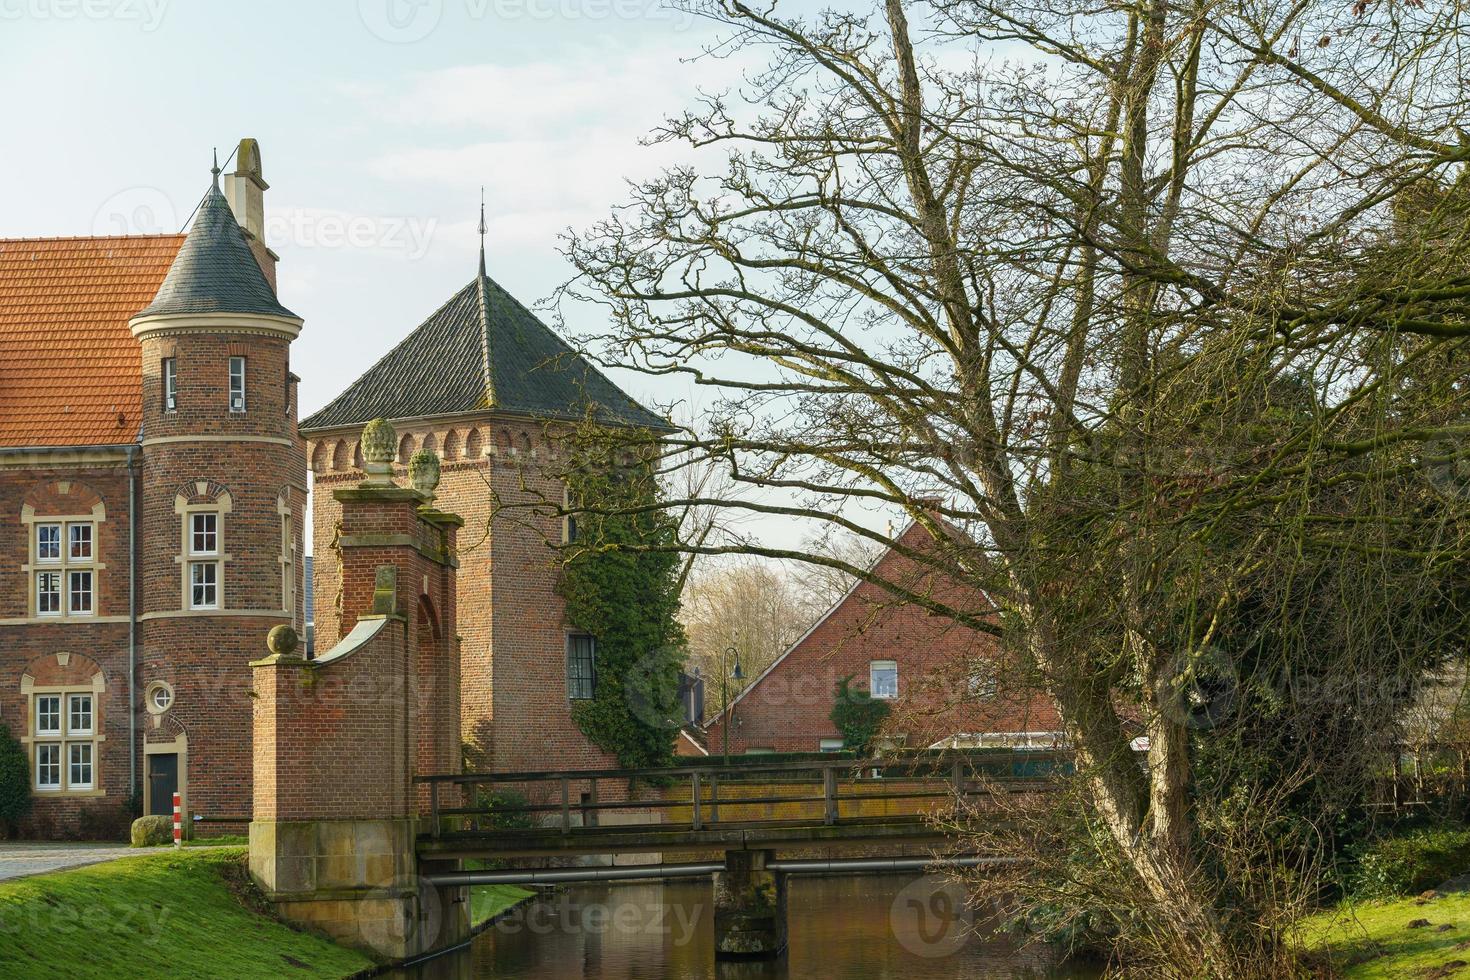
{"points": [[378, 122]]}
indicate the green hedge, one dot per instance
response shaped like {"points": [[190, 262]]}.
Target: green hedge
{"points": [[1409, 863]]}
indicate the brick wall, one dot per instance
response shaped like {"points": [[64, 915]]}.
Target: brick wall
{"points": [[341, 736], [515, 713], [788, 709]]}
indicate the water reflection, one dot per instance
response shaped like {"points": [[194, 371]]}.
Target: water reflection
{"points": [[842, 928]]}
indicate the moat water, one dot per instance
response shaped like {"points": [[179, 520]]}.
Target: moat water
{"points": [[841, 928]]}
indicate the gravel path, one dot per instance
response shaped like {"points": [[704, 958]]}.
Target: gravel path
{"points": [[21, 860]]}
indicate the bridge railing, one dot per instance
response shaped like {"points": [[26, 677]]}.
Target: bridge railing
{"points": [[903, 785]]}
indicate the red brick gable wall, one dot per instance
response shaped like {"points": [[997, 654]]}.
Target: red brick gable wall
{"points": [[788, 708]]}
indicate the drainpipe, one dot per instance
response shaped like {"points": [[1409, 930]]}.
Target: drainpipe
{"points": [[133, 787]]}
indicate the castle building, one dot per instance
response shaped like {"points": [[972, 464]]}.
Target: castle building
{"points": [[152, 501], [486, 385]]}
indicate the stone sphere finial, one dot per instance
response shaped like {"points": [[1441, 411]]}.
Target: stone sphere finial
{"points": [[423, 472], [282, 640], [379, 444]]}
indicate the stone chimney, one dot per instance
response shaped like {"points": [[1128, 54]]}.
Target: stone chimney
{"points": [[245, 190]]}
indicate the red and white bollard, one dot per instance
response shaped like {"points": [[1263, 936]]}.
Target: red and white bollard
{"points": [[178, 821]]}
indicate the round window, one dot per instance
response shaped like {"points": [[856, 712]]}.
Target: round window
{"points": [[160, 698]]}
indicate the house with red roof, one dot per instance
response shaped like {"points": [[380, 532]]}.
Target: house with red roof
{"points": [[152, 500], [945, 683]]}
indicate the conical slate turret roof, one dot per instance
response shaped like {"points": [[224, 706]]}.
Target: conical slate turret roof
{"points": [[483, 351], [215, 271]]}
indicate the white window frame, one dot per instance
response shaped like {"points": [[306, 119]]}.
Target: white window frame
{"points": [[55, 749], [213, 586], [83, 533], [56, 576], [198, 521], [237, 384], [73, 593], [831, 745], [55, 764], [874, 666], [170, 373], [76, 543], [72, 782], [59, 528], [71, 713], [37, 730]]}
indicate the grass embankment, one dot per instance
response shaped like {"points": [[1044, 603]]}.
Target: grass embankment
{"points": [[1410, 937], [181, 914], [488, 901]]}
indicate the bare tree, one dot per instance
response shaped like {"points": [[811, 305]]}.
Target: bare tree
{"points": [[990, 252]]}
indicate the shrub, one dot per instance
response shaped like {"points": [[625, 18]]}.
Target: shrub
{"points": [[15, 783], [857, 715], [153, 830], [1409, 863], [109, 823]]}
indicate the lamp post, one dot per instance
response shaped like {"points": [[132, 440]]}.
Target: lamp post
{"points": [[725, 677]]}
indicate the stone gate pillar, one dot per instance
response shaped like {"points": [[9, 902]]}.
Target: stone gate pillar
{"points": [[338, 738]]}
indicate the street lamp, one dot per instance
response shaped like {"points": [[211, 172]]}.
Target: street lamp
{"points": [[725, 677]]}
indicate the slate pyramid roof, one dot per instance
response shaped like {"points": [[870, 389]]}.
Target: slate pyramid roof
{"points": [[215, 271], [483, 351]]}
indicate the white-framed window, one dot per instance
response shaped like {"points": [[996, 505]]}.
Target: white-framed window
{"points": [[581, 666], [204, 541], [79, 542], [204, 533], [160, 697], [48, 593], [48, 714], [204, 585], [64, 579], [79, 593], [79, 714], [48, 767], [830, 745], [237, 384], [983, 683], [48, 542], [170, 384], [63, 733], [883, 678], [79, 758]]}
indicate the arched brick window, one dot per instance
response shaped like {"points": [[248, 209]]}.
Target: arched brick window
{"points": [[451, 445], [203, 508], [473, 449], [339, 455], [63, 724], [63, 521], [405, 449]]}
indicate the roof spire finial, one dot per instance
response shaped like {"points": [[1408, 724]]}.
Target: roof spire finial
{"points": [[214, 170], [482, 231]]}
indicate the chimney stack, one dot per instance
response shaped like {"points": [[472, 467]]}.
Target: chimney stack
{"points": [[245, 190]]}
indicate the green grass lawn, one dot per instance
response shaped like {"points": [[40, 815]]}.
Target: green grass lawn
{"points": [[179, 914], [1373, 940], [488, 901]]}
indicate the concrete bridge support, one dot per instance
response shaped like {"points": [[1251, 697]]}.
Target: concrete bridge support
{"points": [[750, 907]]}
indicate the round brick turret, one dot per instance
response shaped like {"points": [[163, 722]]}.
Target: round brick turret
{"points": [[224, 497]]}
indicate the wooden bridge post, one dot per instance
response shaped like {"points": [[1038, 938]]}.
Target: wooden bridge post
{"points": [[566, 805], [829, 795], [695, 820]]}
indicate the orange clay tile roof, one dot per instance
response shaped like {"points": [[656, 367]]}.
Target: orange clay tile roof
{"points": [[70, 371]]}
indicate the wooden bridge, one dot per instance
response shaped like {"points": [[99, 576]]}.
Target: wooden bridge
{"points": [[821, 800]]}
